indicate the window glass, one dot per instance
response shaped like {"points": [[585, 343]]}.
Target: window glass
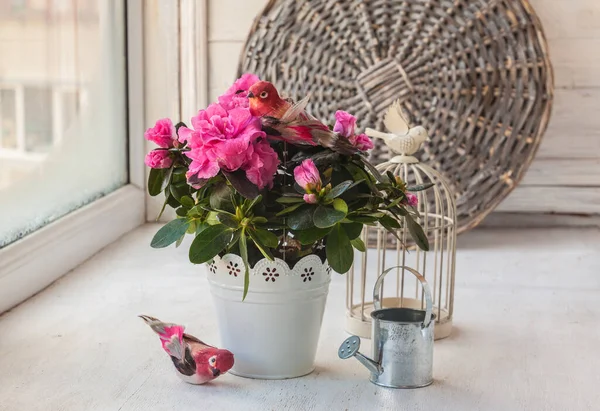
{"points": [[63, 138]]}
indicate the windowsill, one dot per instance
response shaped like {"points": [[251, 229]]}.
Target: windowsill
{"points": [[525, 336]]}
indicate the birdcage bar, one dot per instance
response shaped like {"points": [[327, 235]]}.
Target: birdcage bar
{"points": [[437, 216]]}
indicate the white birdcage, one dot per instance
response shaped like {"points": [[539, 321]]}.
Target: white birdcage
{"points": [[437, 211]]}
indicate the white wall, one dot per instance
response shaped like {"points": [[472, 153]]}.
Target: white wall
{"points": [[565, 176]]}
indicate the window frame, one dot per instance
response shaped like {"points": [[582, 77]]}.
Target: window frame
{"points": [[35, 261]]}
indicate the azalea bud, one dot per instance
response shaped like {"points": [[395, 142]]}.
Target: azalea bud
{"points": [[412, 199], [311, 198], [307, 176]]}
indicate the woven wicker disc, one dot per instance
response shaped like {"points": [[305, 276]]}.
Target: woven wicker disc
{"points": [[475, 73]]}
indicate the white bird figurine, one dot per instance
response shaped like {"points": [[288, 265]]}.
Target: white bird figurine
{"points": [[401, 139]]}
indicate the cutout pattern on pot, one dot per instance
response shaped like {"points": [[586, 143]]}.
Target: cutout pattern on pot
{"points": [[308, 272], [270, 274], [212, 267], [233, 268]]}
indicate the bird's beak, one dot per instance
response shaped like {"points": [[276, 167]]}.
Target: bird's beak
{"points": [[250, 94], [216, 372]]}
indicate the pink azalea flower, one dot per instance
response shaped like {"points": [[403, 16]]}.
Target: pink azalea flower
{"points": [[262, 165], [159, 159], [236, 95], [163, 133], [344, 123], [307, 176], [221, 140], [412, 199], [361, 142], [310, 198]]}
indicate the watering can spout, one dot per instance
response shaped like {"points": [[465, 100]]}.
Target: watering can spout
{"points": [[349, 348]]}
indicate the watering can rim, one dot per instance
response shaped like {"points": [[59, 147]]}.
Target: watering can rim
{"points": [[433, 315]]}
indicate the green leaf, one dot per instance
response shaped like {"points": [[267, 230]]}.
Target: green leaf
{"points": [[358, 244], [388, 221], [312, 235], [244, 254], [209, 243], [301, 219], [228, 220], [187, 201], [325, 216], [361, 175], [211, 218], [196, 212], [290, 200], [234, 240], [340, 205], [162, 209], [363, 219], [259, 220], [353, 230], [155, 179], [417, 233], [250, 206], [339, 251], [242, 185], [220, 198], [179, 190], [192, 228], [373, 170], [289, 209], [171, 201], [167, 173], [178, 243], [201, 227], [420, 187], [181, 211], [169, 233], [263, 248], [339, 190], [266, 237]]}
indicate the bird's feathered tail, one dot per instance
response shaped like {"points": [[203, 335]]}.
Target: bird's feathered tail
{"points": [[171, 336], [174, 342]]}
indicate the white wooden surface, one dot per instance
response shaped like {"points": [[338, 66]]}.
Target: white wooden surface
{"points": [[526, 336], [34, 262], [566, 170]]}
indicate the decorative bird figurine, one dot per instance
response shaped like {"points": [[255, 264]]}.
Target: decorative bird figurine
{"points": [[401, 139], [196, 362], [284, 120]]}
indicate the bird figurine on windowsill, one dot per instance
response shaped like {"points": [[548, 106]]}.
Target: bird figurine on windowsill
{"points": [[195, 361], [401, 139]]}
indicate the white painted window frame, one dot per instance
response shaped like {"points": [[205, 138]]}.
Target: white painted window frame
{"points": [[34, 262], [177, 67]]}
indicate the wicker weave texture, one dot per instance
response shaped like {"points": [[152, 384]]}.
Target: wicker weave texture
{"points": [[475, 73]]}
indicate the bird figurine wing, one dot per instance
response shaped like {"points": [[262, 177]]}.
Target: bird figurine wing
{"points": [[395, 121], [173, 341], [296, 110]]}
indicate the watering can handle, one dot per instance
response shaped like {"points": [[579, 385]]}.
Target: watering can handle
{"points": [[427, 291]]}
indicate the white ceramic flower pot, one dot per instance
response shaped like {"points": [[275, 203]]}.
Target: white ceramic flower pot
{"points": [[274, 332]]}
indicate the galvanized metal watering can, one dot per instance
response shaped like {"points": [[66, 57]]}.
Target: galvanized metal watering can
{"points": [[402, 340]]}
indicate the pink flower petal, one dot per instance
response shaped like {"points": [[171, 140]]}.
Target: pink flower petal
{"points": [[307, 176]]}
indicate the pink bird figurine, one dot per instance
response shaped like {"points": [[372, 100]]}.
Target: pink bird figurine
{"points": [[196, 362]]}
